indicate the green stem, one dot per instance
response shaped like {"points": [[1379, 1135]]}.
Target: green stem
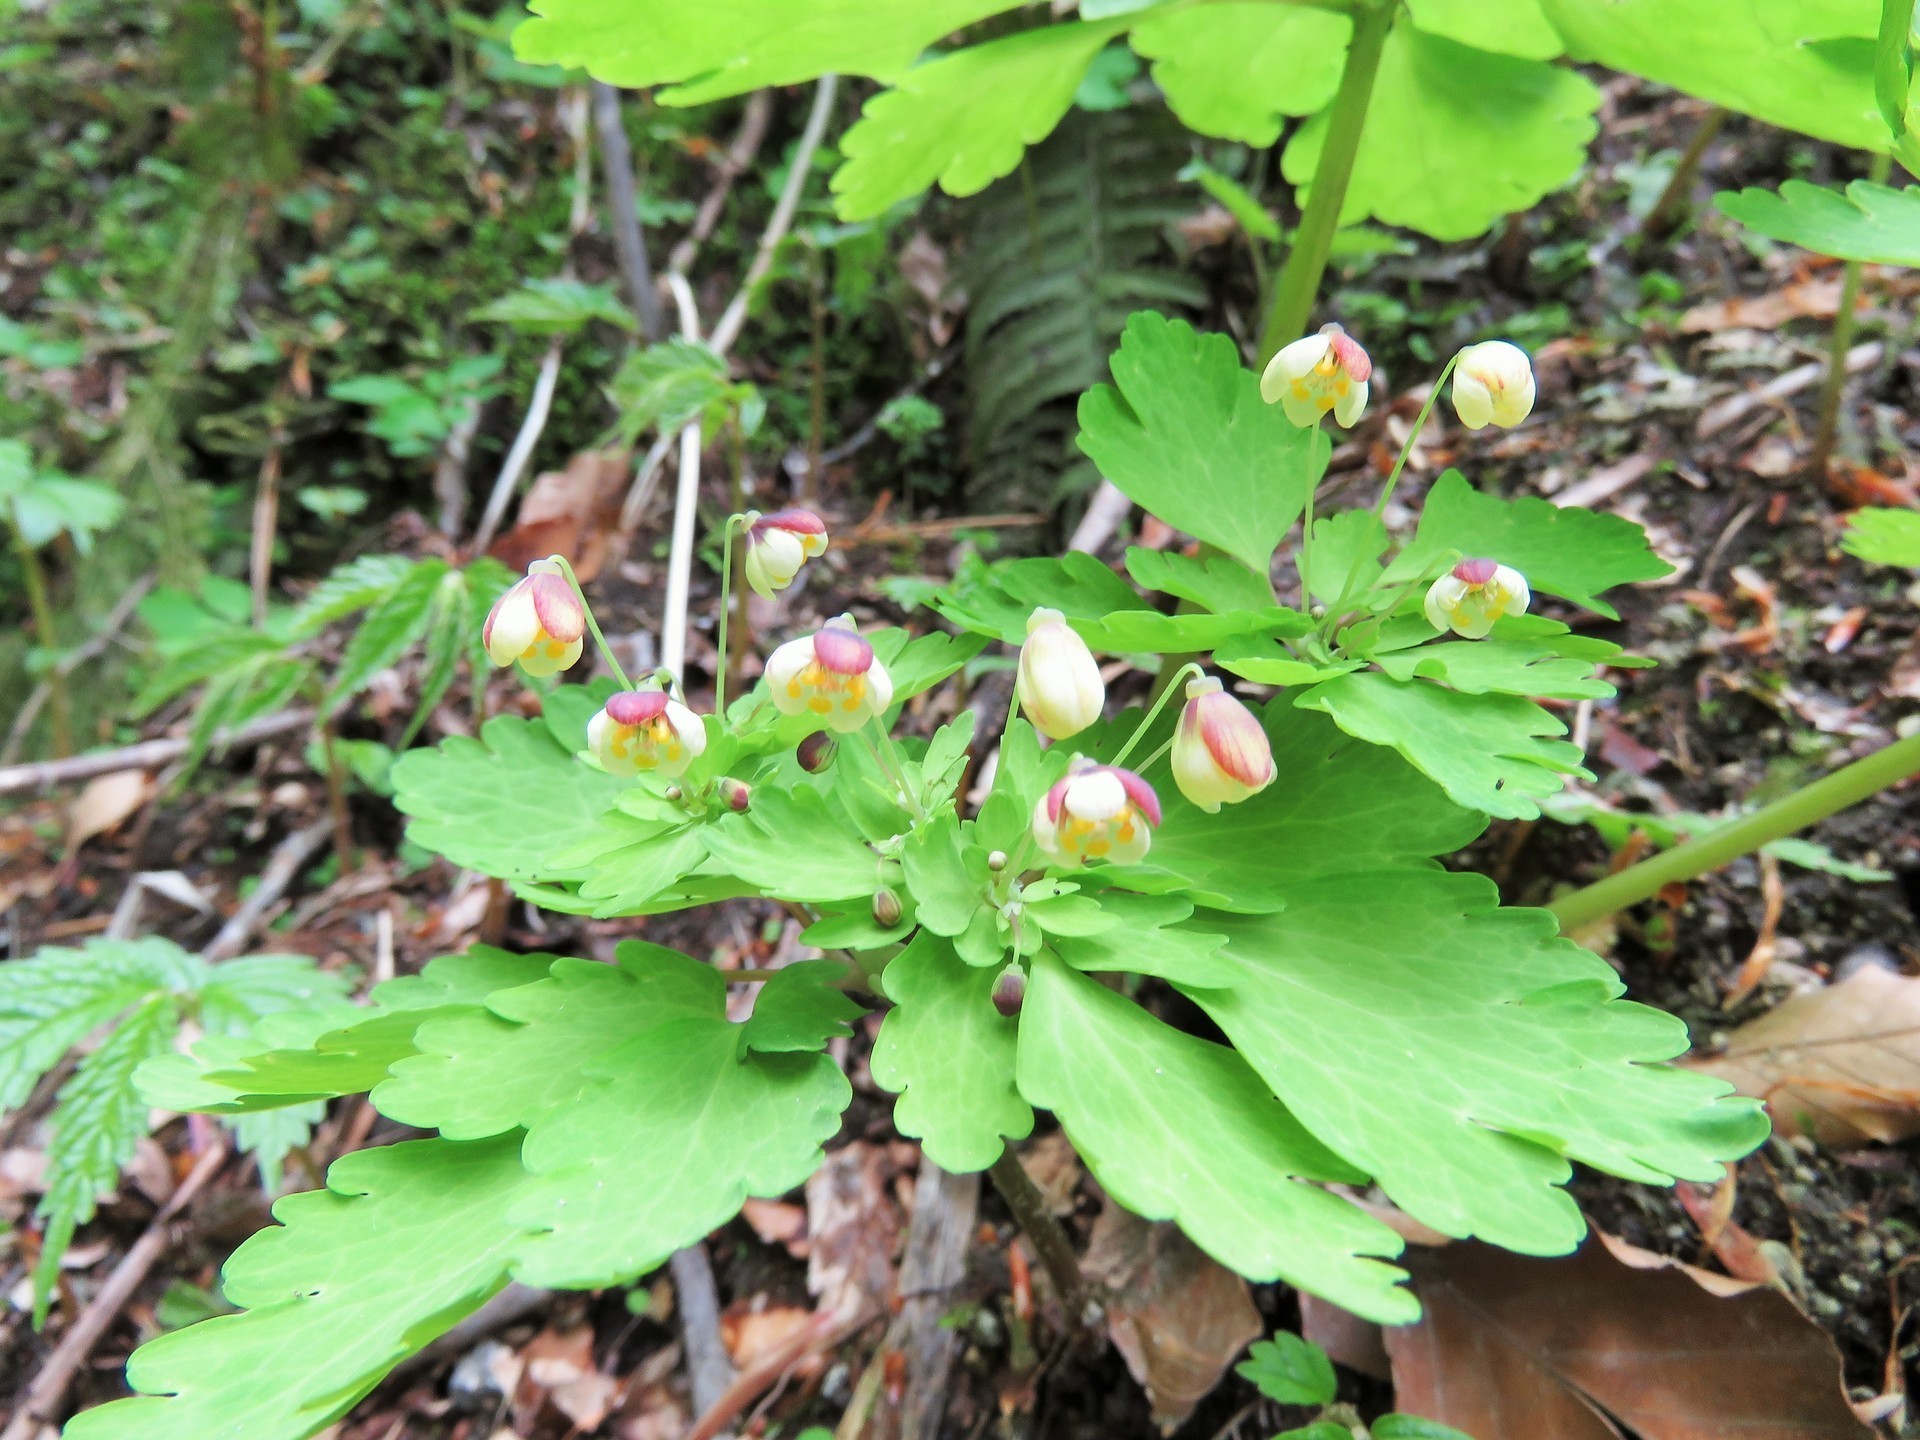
{"points": [[337, 811], [61, 715], [1845, 322], [593, 625], [890, 761], [1173, 682], [1808, 805], [726, 589], [1338, 609], [1299, 284]]}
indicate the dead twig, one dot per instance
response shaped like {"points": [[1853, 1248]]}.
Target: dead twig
{"points": [[746, 144], [289, 858], [1042, 1230], [49, 1387], [623, 215], [146, 755], [709, 1371], [1725, 413], [108, 632], [820, 1333]]}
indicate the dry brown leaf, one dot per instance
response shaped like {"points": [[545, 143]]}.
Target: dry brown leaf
{"points": [[1176, 1316], [778, 1223], [1801, 300], [1517, 1348], [105, 802], [752, 1331], [853, 1230], [1347, 1339], [558, 1367], [1054, 1167], [571, 512], [1841, 1064]]}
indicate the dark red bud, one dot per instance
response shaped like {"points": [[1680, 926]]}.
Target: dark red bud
{"points": [[736, 795], [1010, 990], [816, 752]]}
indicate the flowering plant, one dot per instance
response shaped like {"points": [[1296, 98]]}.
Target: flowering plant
{"points": [[1268, 854]]}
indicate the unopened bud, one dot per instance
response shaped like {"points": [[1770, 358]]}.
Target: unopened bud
{"points": [[997, 861], [886, 909], [1010, 990], [816, 752], [734, 794], [675, 793]]}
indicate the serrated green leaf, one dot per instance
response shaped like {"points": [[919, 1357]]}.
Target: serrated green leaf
{"points": [[1464, 1071], [1289, 1370], [1507, 27], [1177, 1128], [1525, 655], [1337, 805], [1884, 537], [1318, 1430], [1496, 753], [949, 1055], [97, 1120], [269, 1136], [1413, 1427], [728, 47], [449, 635], [1217, 582], [667, 384], [238, 993], [790, 845], [965, 118], [1867, 222], [405, 1241], [1455, 137], [45, 505], [1344, 563], [55, 999], [556, 306], [1184, 433], [349, 587], [800, 1009], [506, 803], [1806, 65], [1562, 550], [946, 897], [390, 628], [1237, 71]]}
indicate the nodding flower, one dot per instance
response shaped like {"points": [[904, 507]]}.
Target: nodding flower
{"points": [[1098, 812], [831, 676], [1221, 754], [1318, 373], [1472, 596], [539, 621], [1058, 681], [647, 731], [1492, 384], [778, 545]]}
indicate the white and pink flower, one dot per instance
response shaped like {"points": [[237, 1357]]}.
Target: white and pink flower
{"points": [[1493, 385], [1221, 755], [1097, 812], [1317, 374], [1058, 681], [540, 622], [778, 545], [645, 731], [1470, 598], [831, 676]]}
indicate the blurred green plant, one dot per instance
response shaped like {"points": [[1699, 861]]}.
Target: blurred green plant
{"points": [[414, 417]]}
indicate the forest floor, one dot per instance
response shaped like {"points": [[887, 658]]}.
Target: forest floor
{"points": [[1778, 658]]}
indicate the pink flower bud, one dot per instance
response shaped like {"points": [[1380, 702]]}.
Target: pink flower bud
{"points": [[1323, 372], [736, 795], [539, 622], [1221, 754], [1010, 990], [886, 908], [779, 544], [1098, 812], [1470, 598], [831, 675], [645, 731], [1058, 682]]}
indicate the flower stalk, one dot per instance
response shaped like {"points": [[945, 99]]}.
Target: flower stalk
{"points": [[1806, 806], [593, 625]]}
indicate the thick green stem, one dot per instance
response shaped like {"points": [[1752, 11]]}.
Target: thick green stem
{"points": [[41, 609], [1665, 214], [1845, 321], [1848, 785], [1293, 296]]}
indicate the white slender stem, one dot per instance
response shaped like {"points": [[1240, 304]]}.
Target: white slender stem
{"points": [[734, 317], [538, 409], [673, 626]]}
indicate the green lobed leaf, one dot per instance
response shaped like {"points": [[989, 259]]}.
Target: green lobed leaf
{"points": [[1866, 222], [1562, 550], [1236, 71], [1289, 1371], [1455, 137], [949, 1055], [964, 119], [1184, 433], [1496, 753], [801, 1008], [1215, 582], [1803, 64], [946, 895], [668, 384], [404, 1241], [1525, 655], [790, 845], [1884, 537], [49, 505], [1177, 1128], [556, 306], [1143, 936], [728, 47], [1337, 805], [507, 803], [1463, 1071], [1507, 27], [1413, 1427]]}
